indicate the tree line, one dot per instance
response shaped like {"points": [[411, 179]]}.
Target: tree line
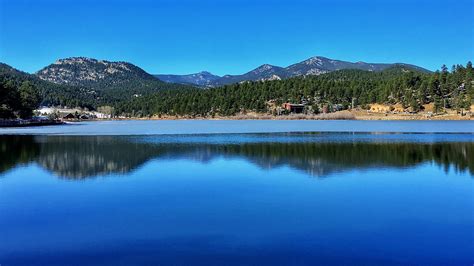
{"points": [[411, 88], [21, 93], [17, 100], [15, 83]]}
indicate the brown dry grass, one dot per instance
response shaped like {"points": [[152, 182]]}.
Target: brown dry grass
{"points": [[450, 115], [341, 115]]}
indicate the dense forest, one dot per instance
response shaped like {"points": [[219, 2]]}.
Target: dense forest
{"points": [[18, 100], [399, 84], [45, 93], [21, 93], [15, 83]]}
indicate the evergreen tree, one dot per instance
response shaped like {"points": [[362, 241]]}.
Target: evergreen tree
{"points": [[438, 104], [29, 99]]}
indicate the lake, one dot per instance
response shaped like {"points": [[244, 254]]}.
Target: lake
{"points": [[147, 127], [238, 193]]}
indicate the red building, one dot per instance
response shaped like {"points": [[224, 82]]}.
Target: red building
{"points": [[294, 108]]}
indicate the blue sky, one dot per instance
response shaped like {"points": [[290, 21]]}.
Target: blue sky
{"points": [[234, 36]]}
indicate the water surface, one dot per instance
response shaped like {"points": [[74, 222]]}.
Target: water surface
{"points": [[314, 198], [154, 127]]}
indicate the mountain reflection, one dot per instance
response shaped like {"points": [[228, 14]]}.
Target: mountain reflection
{"points": [[82, 157]]}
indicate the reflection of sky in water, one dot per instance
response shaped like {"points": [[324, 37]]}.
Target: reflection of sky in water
{"points": [[237, 199], [176, 211]]}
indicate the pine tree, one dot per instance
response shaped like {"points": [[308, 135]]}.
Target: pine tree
{"points": [[438, 104]]}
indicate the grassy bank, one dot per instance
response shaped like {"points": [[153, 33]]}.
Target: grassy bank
{"points": [[341, 115]]}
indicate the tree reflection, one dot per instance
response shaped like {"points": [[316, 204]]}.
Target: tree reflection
{"points": [[83, 157], [17, 150]]}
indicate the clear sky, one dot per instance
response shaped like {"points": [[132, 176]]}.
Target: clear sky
{"points": [[234, 36]]}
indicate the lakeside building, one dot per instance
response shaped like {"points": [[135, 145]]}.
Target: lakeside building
{"points": [[294, 108]]}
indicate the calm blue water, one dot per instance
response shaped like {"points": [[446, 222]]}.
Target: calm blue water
{"points": [[243, 126], [320, 198]]}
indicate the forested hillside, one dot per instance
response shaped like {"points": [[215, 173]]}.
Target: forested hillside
{"points": [[399, 84], [133, 96], [111, 81], [111, 90], [48, 93], [17, 100]]}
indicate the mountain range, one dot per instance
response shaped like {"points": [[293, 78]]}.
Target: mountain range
{"points": [[131, 91], [204, 78], [101, 75], [91, 82], [313, 66]]}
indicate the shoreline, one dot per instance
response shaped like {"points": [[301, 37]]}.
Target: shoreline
{"points": [[341, 115], [30, 123]]}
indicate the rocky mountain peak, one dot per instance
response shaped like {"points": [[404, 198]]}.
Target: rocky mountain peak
{"points": [[86, 71], [263, 68]]}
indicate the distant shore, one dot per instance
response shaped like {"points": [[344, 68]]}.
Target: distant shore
{"points": [[29, 123], [363, 115], [341, 115]]}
